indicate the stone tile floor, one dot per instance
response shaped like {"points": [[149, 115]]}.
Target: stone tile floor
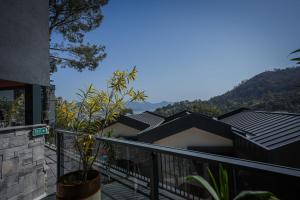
{"points": [[114, 191], [50, 167]]}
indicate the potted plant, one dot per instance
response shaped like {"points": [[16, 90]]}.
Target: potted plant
{"points": [[87, 119], [220, 189]]}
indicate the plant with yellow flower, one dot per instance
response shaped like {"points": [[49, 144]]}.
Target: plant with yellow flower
{"points": [[95, 110]]}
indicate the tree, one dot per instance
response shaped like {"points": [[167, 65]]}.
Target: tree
{"points": [[72, 19]]}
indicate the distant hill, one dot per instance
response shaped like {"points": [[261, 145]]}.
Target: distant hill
{"points": [[138, 107], [277, 90]]}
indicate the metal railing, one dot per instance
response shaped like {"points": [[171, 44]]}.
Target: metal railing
{"points": [[3, 123], [160, 172], [6, 123]]}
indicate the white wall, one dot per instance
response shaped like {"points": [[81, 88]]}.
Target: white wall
{"points": [[121, 130], [194, 137]]}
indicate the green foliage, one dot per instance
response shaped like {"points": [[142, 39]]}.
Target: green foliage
{"points": [[50, 138], [220, 190], [197, 106], [65, 113], [277, 90], [72, 19], [260, 195], [223, 188], [296, 59], [205, 184], [13, 111], [95, 111]]}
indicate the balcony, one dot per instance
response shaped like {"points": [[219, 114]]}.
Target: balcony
{"points": [[144, 171]]}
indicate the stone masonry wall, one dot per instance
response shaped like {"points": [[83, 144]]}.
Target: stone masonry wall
{"points": [[21, 164]]}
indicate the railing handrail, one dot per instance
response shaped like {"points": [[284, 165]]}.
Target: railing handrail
{"points": [[225, 160]]}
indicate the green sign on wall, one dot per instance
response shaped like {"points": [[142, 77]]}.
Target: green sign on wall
{"points": [[39, 131]]}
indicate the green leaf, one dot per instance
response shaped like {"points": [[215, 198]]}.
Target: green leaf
{"points": [[205, 184], [132, 74], [298, 50], [263, 195], [212, 178], [221, 183], [295, 59], [224, 183]]}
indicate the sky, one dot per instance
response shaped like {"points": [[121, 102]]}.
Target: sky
{"points": [[189, 49]]}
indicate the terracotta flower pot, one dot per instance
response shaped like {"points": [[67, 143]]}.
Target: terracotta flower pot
{"points": [[69, 186]]}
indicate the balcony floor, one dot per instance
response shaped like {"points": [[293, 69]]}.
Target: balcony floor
{"points": [[110, 191], [113, 191]]}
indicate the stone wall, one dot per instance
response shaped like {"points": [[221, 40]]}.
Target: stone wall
{"points": [[22, 173]]}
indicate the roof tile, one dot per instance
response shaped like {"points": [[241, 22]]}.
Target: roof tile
{"points": [[268, 129]]}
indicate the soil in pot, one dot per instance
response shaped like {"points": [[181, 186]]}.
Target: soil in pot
{"points": [[71, 186]]}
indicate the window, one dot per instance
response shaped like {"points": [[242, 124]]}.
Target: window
{"points": [[12, 107]]}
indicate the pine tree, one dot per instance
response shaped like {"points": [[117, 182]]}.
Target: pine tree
{"points": [[72, 19]]}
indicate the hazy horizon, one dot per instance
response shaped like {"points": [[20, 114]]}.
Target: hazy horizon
{"points": [[188, 51]]}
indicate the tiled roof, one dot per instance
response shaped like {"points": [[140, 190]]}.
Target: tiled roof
{"points": [[152, 119], [177, 116], [267, 129]]}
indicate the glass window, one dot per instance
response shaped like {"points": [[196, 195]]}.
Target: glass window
{"points": [[12, 107]]}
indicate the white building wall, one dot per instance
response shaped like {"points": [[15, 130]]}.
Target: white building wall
{"points": [[194, 137]]}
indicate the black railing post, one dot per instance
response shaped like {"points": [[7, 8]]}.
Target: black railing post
{"points": [[59, 154], [154, 179], [234, 182]]}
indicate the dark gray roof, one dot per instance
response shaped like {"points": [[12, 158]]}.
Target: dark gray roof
{"points": [[267, 129], [177, 116], [131, 122], [183, 122], [150, 118], [143, 121]]}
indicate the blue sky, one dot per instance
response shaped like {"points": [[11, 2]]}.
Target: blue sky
{"points": [[189, 49]]}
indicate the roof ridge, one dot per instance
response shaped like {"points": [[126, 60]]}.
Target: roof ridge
{"points": [[233, 112], [202, 115], [169, 121], [153, 113], [177, 115], [185, 122]]}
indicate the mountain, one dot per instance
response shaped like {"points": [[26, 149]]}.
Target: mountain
{"points": [[139, 107], [277, 90]]}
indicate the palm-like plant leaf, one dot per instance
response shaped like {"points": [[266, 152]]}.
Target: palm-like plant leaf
{"points": [[263, 195], [224, 186], [296, 51], [205, 184], [295, 59], [214, 182]]}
